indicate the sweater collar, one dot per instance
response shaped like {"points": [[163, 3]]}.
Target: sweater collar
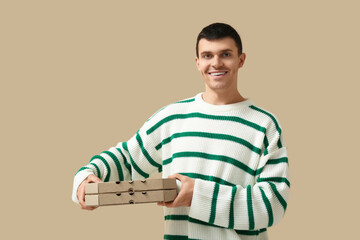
{"points": [[221, 108]]}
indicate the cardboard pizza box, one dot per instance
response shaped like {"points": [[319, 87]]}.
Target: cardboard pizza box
{"points": [[130, 186], [131, 192], [108, 199]]}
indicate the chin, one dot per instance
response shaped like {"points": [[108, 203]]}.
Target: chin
{"points": [[218, 86]]}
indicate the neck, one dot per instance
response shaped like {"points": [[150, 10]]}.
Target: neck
{"points": [[222, 98]]}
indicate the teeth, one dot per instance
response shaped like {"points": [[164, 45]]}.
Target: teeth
{"points": [[218, 73]]}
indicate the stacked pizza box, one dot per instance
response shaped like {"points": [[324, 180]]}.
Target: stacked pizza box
{"points": [[130, 192]]}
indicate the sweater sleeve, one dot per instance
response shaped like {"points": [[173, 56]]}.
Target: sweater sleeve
{"points": [[252, 207], [131, 160]]}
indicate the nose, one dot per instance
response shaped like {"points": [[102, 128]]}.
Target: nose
{"points": [[217, 62]]}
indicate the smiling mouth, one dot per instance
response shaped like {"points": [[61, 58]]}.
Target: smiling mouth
{"points": [[218, 73]]}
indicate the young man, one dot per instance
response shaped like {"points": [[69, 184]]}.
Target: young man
{"points": [[228, 154]]}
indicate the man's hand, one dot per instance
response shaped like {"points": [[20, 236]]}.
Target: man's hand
{"points": [[183, 199], [81, 190]]}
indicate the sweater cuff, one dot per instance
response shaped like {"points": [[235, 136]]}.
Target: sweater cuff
{"points": [[202, 200], [78, 179]]}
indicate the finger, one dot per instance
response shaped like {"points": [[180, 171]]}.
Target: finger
{"points": [[88, 208], [177, 201], [160, 204], [83, 203], [81, 196], [169, 204], [93, 179], [177, 176], [165, 204]]}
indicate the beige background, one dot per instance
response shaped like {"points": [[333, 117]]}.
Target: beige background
{"points": [[79, 76]]}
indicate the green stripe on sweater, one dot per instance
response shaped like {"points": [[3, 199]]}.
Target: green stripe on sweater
{"points": [[268, 207], [266, 144], [213, 203], [278, 195], [178, 237], [117, 163], [175, 237], [274, 179], [146, 154], [221, 158], [210, 135], [231, 217], [208, 178], [183, 101], [177, 217], [250, 208], [190, 219], [81, 169], [127, 165], [193, 220], [268, 114], [107, 177], [278, 160], [133, 164], [273, 162], [97, 170], [206, 116], [186, 100], [250, 233], [272, 118]]}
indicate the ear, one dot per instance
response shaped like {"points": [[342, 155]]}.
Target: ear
{"points": [[197, 63], [242, 59]]}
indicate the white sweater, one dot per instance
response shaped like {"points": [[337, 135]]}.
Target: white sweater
{"points": [[235, 153]]}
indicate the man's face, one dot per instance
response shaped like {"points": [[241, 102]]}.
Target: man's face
{"points": [[218, 63]]}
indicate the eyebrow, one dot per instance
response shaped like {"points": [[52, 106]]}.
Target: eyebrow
{"points": [[225, 50]]}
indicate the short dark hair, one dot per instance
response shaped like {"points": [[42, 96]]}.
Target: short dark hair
{"points": [[217, 31]]}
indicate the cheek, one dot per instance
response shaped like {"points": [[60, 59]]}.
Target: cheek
{"points": [[202, 68], [232, 63]]}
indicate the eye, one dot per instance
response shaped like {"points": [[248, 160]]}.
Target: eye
{"points": [[226, 54], [207, 56]]}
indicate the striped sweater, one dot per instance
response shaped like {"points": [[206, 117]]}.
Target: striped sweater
{"points": [[235, 153]]}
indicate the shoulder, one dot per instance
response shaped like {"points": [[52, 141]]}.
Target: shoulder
{"points": [[178, 107], [264, 114], [265, 118]]}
